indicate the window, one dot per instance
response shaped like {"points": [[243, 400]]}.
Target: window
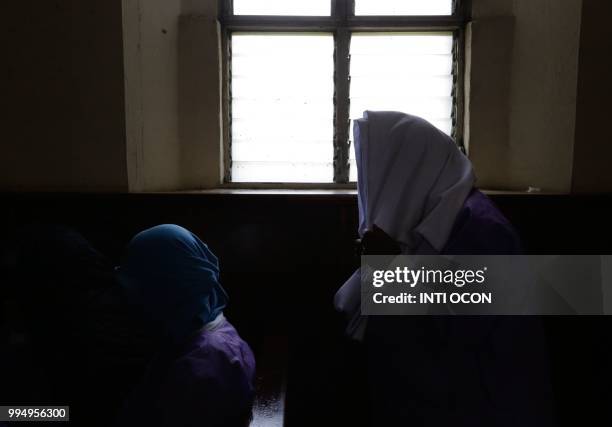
{"points": [[282, 7], [282, 107], [404, 7], [297, 72]]}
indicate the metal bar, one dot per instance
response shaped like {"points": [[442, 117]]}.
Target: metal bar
{"points": [[268, 27], [226, 46], [458, 88], [342, 105], [464, 9], [336, 9], [454, 89], [351, 7], [342, 39], [316, 23], [225, 9], [283, 22], [404, 21]]}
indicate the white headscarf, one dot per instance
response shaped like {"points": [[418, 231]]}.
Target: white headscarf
{"points": [[412, 183], [412, 177]]}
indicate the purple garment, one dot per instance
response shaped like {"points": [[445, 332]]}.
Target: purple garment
{"points": [[461, 370], [480, 228], [206, 382]]}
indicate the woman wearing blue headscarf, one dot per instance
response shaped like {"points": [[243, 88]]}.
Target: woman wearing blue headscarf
{"points": [[203, 373]]}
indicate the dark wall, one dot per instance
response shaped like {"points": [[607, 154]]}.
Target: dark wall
{"points": [[281, 257], [263, 240], [266, 232], [284, 256], [593, 147], [64, 96]]}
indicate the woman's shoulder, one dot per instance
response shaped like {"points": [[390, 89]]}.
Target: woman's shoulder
{"points": [[216, 349], [481, 228], [217, 366], [206, 382]]}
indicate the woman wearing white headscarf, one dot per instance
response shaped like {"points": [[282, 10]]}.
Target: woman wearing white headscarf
{"points": [[417, 196]]}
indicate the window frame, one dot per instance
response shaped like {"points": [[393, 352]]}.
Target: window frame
{"points": [[341, 22]]}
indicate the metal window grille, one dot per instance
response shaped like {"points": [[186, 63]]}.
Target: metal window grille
{"points": [[341, 24]]}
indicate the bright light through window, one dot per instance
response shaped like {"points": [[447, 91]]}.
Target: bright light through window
{"points": [[411, 73], [282, 7], [403, 7], [282, 107]]}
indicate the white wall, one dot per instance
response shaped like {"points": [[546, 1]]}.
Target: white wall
{"points": [[172, 66], [150, 41], [200, 101]]}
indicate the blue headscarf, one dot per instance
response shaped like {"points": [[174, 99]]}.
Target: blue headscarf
{"points": [[174, 278]]}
